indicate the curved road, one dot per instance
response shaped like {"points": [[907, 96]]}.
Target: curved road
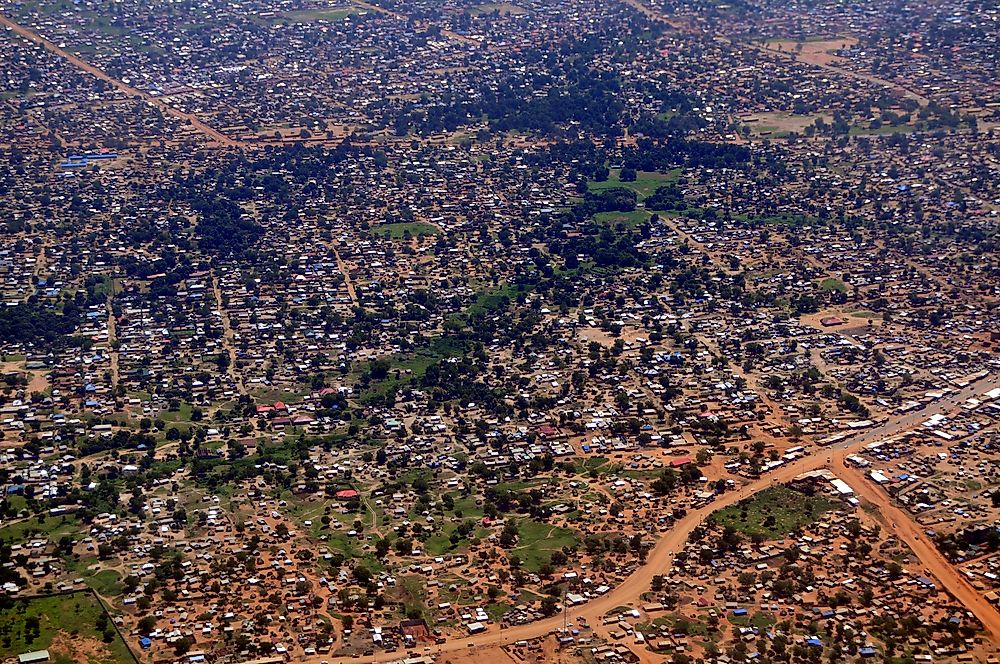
{"points": [[660, 559]]}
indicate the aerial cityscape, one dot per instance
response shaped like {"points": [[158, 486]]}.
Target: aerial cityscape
{"points": [[535, 331]]}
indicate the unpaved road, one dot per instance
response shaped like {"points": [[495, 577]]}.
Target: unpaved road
{"points": [[342, 266], [660, 559], [33, 36], [113, 342], [922, 546], [228, 337], [652, 13]]}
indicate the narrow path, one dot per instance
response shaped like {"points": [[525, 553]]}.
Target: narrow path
{"points": [[36, 272], [113, 342], [33, 36], [346, 274], [228, 338], [371, 510], [403, 17]]}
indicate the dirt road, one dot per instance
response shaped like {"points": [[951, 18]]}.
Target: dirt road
{"points": [[403, 17], [342, 266], [660, 559], [652, 13], [228, 338], [869, 78], [924, 549], [33, 36], [113, 343]]}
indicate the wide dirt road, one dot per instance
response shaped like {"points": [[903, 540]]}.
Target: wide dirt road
{"points": [[660, 559], [33, 36], [906, 530]]}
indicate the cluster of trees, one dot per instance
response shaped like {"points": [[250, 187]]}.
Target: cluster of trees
{"points": [[223, 229], [668, 197], [650, 155], [121, 439], [34, 324], [587, 97], [669, 479], [606, 249]]}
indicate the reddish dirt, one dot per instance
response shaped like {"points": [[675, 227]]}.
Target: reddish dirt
{"points": [[662, 555], [78, 649]]}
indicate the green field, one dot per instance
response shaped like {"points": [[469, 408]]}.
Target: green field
{"points": [[106, 582], [74, 614], [417, 363], [492, 299], [629, 219], [774, 512], [832, 284], [52, 527], [402, 231], [330, 14], [645, 182], [536, 542]]}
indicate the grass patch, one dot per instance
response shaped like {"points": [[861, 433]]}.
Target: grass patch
{"points": [[645, 183], [413, 593], [52, 527], [107, 583], [404, 231], [415, 363], [590, 463], [497, 610], [329, 14], [537, 541], [630, 219], [832, 284], [274, 395], [492, 299], [773, 513], [75, 614]]}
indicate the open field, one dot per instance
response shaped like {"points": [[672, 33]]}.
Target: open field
{"points": [[833, 284], [537, 541], [644, 184], [781, 123], [814, 50], [329, 14], [773, 512], [630, 219], [400, 231], [37, 623]]}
